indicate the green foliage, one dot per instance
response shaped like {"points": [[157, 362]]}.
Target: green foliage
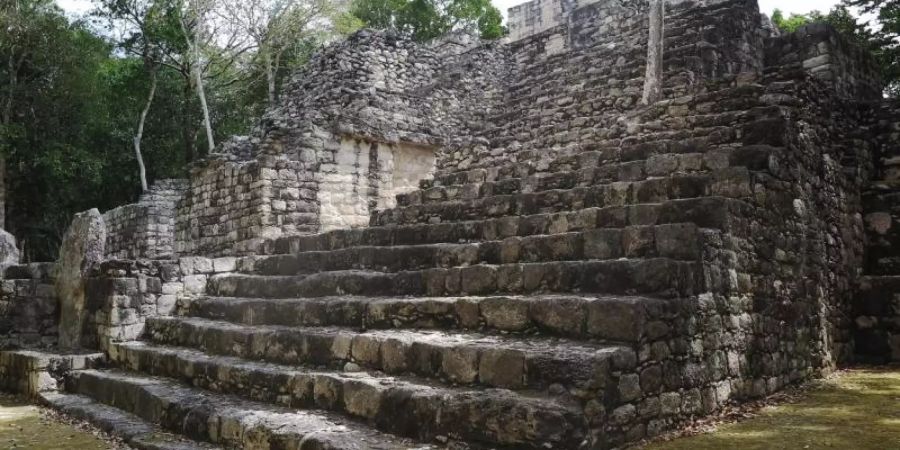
{"points": [[64, 153], [881, 39], [424, 20], [885, 38], [70, 105], [791, 23]]}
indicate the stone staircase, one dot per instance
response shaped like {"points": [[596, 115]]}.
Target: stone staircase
{"points": [[526, 307], [878, 298]]}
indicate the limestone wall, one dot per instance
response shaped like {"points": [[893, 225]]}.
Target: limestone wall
{"points": [[358, 125], [380, 87], [359, 176], [830, 57], [122, 294], [232, 206], [781, 262], [145, 229], [783, 275], [576, 83], [877, 306], [29, 309]]}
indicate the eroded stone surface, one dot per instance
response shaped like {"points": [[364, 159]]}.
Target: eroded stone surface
{"points": [[82, 248], [9, 252]]}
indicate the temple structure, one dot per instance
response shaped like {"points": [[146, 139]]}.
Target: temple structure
{"points": [[473, 245]]}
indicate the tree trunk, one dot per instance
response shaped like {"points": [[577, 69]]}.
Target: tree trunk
{"points": [[655, 46], [140, 131], [186, 123], [5, 120], [198, 78], [270, 78], [206, 122]]}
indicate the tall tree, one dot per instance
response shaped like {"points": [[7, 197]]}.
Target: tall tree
{"points": [[144, 24], [194, 21], [54, 106], [884, 41], [275, 27], [425, 20], [20, 25], [152, 31]]}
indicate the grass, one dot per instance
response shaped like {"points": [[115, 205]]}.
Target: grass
{"points": [[23, 426], [858, 409]]}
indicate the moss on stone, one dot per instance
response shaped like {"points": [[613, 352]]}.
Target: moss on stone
{"points": [[859, 409]]}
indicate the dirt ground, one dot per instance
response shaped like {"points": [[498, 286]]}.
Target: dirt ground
{"points": [[855, 409], [24, 426]]}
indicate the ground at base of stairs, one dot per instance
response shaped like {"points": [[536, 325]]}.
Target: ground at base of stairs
{"points": [[858, 409], [24, 426]]}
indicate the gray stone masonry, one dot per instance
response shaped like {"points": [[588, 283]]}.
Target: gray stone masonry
{"points": [[145, 229], [877, 306], [29, 307], [83, 247], [472, 245]]}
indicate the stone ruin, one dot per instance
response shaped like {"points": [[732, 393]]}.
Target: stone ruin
{"points": [[476, 245]]}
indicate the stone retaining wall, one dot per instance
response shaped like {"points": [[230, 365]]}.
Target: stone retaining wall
{"points": [[145, 229], [578, 82], [29, 309], [231, 206], [35, 373], [877, 306], [122, 294]]}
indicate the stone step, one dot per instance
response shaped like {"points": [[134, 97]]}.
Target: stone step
{"points": [[715, 131], [33, 373], [677, 241], [876, 296], [621, 319], [560, 98], [555, 101], [651, 156], [879, 264], [230, 421], [659, 276], [732, 183], [705, 212], [539, 82], [576, 175], [877, 330], [503, 361], [486, 416], [134, 431], [533, 77]]}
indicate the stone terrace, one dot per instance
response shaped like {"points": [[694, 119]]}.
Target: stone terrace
{"points": [[475, 245]]}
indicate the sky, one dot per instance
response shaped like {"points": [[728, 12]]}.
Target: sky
{"points": [[74, 6], [766, 6], [788, 6]]}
